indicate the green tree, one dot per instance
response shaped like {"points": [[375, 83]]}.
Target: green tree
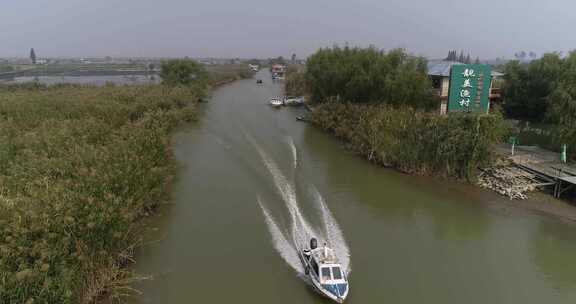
{"points": [[461, 58], [520, 55], [33, 56], [527, 86], [562, 104], [183, 72], [452, 56], [254, 61], [368, 75], [562, 113]]}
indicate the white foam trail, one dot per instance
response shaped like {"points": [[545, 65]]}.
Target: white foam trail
{"points": [[334, 234], [301, 231], [294, 151], [286, 250], [286, 190]]}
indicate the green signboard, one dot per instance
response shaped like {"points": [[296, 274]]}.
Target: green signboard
{"points": [[469, 88]]}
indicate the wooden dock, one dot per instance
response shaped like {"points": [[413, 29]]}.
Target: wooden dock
{"points": [[528, 169]]}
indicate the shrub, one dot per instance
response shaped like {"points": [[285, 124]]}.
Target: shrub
{"points": [[183, 72], [562, 113], [221, 74], [414, 141], [527, 86], [295, 83]]}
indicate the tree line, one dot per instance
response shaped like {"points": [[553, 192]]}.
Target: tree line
{"points": [[453, 56], [533, 91], [381, 104], [369, 75], [543, 91]]}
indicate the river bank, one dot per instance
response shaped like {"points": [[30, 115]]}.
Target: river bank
{"points": [[547, 204], [369, 138], [413, 141]]}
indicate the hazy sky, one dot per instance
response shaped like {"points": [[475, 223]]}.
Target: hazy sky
{"points": [[270, 28]]}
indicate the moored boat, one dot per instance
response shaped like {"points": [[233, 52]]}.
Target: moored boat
{"points": [[294, 101], [276, 102]]}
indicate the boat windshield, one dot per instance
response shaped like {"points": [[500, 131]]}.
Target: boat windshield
{"points": [[326, 274], [336, 273]]}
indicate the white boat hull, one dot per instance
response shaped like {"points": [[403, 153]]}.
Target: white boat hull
{"points": [[276, 102], [318, 287]]}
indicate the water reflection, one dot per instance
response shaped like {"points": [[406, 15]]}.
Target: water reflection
{"points": [[87, 80], [553, 250], [431, 204]]}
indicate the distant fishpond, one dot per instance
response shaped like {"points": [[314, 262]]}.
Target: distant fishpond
{"points": [[98, 80]]}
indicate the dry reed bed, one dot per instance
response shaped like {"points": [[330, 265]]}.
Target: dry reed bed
{"points": [[414, 141], [78, 167]]}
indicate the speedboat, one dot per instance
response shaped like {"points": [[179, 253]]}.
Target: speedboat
{"points": [[324, 271], [276, 102]]}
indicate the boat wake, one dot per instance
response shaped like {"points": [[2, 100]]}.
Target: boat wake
{"points": [[333, 233], [294, 151], [291, 239], [284, 247]]}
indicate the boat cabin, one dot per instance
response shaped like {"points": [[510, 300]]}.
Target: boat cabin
{"points": [[325, 267]]}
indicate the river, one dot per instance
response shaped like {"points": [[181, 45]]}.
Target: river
{"points": [[411, 239]]}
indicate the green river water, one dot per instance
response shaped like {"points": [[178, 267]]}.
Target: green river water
{"points": [[411, 239]]}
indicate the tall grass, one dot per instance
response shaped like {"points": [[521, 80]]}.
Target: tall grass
{"points": [[78, 167], [295, 84], [414, 141], [221, 74]]}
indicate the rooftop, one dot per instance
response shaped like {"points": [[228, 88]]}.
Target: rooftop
{"points": [[442, 68]]}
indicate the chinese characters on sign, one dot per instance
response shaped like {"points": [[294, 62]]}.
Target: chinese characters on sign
{"points": [[469, 88], [465, 90]]}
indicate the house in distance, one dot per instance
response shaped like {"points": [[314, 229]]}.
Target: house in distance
{"points": [[463, 87]]}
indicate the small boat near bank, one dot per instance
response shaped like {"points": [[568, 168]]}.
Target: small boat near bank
{"points": [[324, 271], [294, 101], [286, 101], [276, 102]]}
